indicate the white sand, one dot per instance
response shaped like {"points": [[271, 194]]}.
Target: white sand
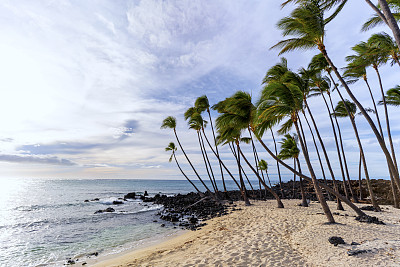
{"points": [[263, 235]]}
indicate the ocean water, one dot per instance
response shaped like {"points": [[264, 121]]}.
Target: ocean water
{"points": [[44, 222]]}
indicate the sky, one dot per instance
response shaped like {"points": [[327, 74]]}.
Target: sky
{"points": [[86, 84]]}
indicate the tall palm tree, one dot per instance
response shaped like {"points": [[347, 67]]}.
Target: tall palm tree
{"points": [[171, 147], [368, 54], [278, 102], [197, 123], [170, 122], [376, 20], [319, 85], [306, 24], [202, 104], [238, 112], [289, 150], [384, 12], [349, 109], [385, 43], [232, 134]]}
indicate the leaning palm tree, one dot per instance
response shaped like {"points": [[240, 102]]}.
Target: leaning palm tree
{"points": [[306, 24], [201, 104], [376, 20], [229, 134], [349, 109], [171, 147], [369, 54], [170, 122], [197, 123], [289, 150], [280, 101], [238, 112], [385, 43]]}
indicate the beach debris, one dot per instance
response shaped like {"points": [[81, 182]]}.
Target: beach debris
{"points": [[353, 252], [109, 209], [336, 240], [369, 219], [162, 225], [355, 243]]}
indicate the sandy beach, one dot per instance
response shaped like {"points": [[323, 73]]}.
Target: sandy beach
{"points": [[263, 235]]}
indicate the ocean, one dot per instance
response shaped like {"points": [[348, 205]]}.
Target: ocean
{"points": [[45, 222]]}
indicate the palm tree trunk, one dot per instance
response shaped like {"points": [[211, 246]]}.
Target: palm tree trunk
{"points": [[359, 178], [367, 117], [375, 108], [339, 133], [294, 179], [371, 193], [244, 193], [241, 167], [219, 159], [195, 187], [317, 188], [326, 155], [391, 21], [205, 162], [216, 149], [191, 165], [339, 155], [303, 195], [387, 119], [208, 162], [280, 204], [324, 186], [319, 156], [395, 198], [277, 164]]}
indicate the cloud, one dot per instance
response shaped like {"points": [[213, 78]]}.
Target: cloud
{"points": [[52, 160]]}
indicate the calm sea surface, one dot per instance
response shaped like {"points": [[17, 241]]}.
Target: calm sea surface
{"points": [[44, 222]]}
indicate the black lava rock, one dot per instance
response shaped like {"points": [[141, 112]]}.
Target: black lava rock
{"points": [[336, 240], [116, 202], [369, 208], [369, 219], [146, 194], [130, 196], [354, 243]]}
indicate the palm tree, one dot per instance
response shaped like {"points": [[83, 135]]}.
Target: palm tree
{"points": [[197, 123], [306, 24], [319, 85], [290, 150], [376, 20], [232, 134], [263, 166], [280, 101], [170, 122], [237, 112], [368, 54], [171, 147], [385, 14], [202, 104], [385, 43], [392, 97], [349, 109]]}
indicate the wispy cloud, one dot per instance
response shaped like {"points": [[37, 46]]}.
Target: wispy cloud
{"points": [[52, 160]]}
